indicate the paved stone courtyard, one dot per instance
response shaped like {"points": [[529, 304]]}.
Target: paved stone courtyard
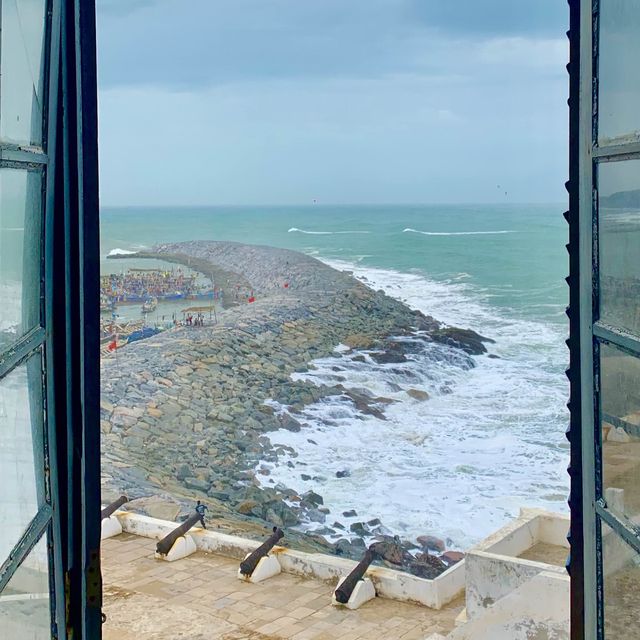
{"points": [[200, 598]]}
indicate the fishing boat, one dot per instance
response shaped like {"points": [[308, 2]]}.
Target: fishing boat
{"points": [[106, 304], [149, 305]]}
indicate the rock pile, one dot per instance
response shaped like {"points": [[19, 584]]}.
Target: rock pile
{"points": [[184, 414]]}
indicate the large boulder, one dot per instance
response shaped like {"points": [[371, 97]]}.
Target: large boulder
{"points": [[418, 394], [466, 339], [431, 543], [389, 357], [426, 566]]}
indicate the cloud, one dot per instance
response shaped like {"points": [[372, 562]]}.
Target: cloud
{"points": [[122, 7], [274, 101], [212, 42], [491, 18]]}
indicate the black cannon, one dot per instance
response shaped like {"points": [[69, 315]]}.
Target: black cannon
{"points": [[109, 510], [164, 546], [344, 591], [248, 565]]}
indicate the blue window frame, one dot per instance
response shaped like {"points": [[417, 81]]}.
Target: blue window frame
{"points": [[604, 191], [49, 384]]}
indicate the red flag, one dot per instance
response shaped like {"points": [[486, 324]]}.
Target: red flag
{"points": [[286, 285], [113, 345], [252, 299]]}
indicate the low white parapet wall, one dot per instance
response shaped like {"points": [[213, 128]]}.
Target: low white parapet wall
{"points": [[394, 585], [538, 608], [493, 568]]}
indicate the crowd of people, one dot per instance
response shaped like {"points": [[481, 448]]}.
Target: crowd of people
{"points": [[143, 284]]}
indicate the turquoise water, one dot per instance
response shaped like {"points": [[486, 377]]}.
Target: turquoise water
{"points": [[491, 438], [520, 271]]}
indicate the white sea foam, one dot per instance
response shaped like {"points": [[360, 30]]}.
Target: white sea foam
{"points": [[121, 252], [489, 440], [457, 233], [325, 233]]}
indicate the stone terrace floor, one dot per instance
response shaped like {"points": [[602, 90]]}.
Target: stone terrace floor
{"points": [[200, 598]]}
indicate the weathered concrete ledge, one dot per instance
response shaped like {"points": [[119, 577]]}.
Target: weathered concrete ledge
{"points": [[391, 584], [495, 567]]}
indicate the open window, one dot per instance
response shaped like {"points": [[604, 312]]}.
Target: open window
{"points": [[49, 448], [605, 317]]}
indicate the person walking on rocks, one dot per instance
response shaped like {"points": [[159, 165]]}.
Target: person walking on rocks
{"points": [[201, 508]]}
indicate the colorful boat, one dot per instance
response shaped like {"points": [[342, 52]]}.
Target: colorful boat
{"points": [[149, 305]]}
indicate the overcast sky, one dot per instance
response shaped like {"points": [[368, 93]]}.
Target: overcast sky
{"points": [[341, 101]]}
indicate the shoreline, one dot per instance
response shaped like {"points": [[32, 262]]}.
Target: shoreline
{"points": [[184, 413]]}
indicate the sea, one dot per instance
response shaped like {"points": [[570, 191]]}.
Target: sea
{"points": [[490, 439]]}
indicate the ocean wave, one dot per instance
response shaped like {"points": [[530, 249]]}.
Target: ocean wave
{"points": [[324, 233], [458, 233], [121, 252], [494, 431]]}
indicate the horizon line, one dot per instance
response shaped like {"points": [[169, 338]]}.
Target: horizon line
{"points": [[328, 204]]}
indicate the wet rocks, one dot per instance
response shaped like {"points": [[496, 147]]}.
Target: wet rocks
{"points": [[312, 498], [280, 514], [188, 412], [426, 566], [466, 339], [431, 543], [359, 529], [389, 357], [452, 557], [365, 405], [418, 394], [391, 551], [350, 548]]}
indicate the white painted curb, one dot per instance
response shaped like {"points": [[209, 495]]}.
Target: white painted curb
{"points": [[388, 583]]}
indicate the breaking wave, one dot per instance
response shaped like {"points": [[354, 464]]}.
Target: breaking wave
{"points": [[458, 233], [121, 252], [324, 233], [488, 440]]}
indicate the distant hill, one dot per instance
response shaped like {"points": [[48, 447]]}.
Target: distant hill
{"points": [[622, 200]]}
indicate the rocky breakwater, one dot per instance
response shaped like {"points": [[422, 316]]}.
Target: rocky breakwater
{"points": [[185, 413]]}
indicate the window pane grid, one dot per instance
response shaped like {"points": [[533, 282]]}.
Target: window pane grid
{"points": [[625, 530], [40, 523], [22, 350], [22, 158], [26, 602], [616, 151], [610, 335]]}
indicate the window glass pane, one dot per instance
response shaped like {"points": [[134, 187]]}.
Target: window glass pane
{"points": [[24, 603], [620, 408], [621, 587], [21, 451], [619, 82], [22, 71], [619, 233], [20, 250]]}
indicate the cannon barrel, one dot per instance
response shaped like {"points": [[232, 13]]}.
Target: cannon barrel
{"points": [[109, 510], [344, 591], [248, 565], [164, 546]]}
